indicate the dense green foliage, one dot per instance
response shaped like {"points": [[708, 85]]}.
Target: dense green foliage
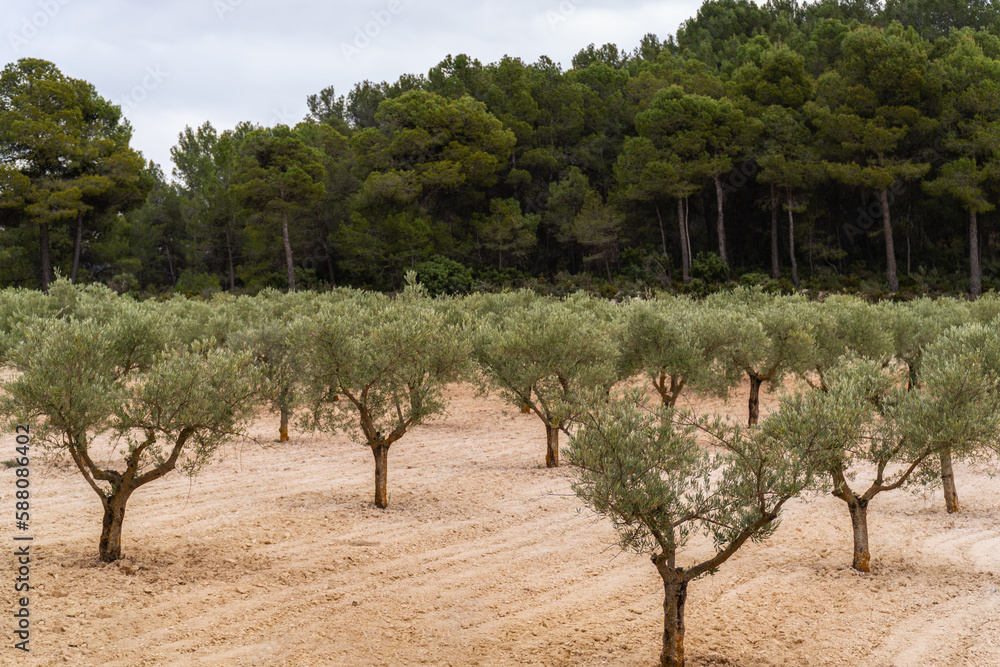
{"points": [[822, 143]]}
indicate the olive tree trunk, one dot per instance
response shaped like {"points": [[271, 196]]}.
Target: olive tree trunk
{"points": [[381, 453], [859, 524], [110, 546], [948, 481], [285, 413], [552, 446], [669, 393], [754, 403], [283, 426], [674, 597]]}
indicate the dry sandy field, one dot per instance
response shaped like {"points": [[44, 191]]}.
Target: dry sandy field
{"points": [[275, 555]]}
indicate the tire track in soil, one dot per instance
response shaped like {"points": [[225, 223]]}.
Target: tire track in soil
{"points": [[951, 634]]}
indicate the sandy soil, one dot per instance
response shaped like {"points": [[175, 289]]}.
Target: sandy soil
{"points": [[276, 556]]}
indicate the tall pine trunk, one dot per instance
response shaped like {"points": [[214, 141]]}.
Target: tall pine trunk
{"points": [[288, 251], [110, 546], [77, 243], [948, 481], [663, 240], [552, 446], [229, 253], [170, 264], [775, 263], [890, 248], [859, 524], [43, 233], [329, 262], [791, 241], [720, 223], [685, 246], [674, 597], [663, 232], [687, 229], [975, 268], [381, 453]]}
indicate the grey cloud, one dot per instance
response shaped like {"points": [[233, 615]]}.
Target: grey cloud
{"points": [[231, 60]]}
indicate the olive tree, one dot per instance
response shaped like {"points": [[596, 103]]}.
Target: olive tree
{"points": [[542, 355], [842, 325], [976, 348], [676, 343], [265, 327], [889, 430], [78, 379], [915, 325], [646, 471], [773, 338], [375, 366]]}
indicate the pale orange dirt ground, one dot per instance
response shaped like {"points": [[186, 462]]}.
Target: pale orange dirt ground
{"points": [[275, 555]]}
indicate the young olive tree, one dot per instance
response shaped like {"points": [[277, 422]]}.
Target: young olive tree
{"points": [[977, 348], [78, 379], [915, 325], [918, 323], [842, 325], [542, 355], [886, 428], [774, 338], [375, 366], [675, 343], [646, 472], [265, 329]]}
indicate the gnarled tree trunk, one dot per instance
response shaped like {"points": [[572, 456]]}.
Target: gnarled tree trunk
{"points": [[948, 480], [859, 524], [552, 446], [754, 403], [669, 393], [110, 546], [674, 597], [285, 412], [381, 453], [283, 427]]}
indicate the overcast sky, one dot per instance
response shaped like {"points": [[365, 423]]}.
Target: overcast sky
{"points": [[172, 63]]}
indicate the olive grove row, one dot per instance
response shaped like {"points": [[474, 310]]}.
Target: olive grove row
{"points": [[887, 395]]}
